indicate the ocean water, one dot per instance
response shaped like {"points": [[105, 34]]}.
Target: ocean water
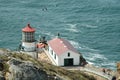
{"points": [[92, 26]]}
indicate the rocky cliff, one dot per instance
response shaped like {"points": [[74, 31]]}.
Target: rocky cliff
{"points": [[118, 67], [118, 70], [19, 66]]}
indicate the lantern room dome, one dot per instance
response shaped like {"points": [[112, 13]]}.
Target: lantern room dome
{"points": [[28, 28]]}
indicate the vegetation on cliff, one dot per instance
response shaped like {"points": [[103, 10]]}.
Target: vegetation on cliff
{"points": [[16, 65]]}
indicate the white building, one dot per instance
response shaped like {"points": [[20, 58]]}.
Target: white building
{"points": [[63, 53]]}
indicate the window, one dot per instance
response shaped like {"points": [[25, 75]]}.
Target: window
{"points": [[68, 54], [55, 56], [48, 48], [52, 52]]}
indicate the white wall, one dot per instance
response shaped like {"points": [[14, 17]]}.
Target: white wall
{"points": [[53, 55], [75, 56], [29, 46], [60, 59]]}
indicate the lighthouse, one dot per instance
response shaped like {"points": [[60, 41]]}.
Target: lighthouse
{"points": [[28, 39]]}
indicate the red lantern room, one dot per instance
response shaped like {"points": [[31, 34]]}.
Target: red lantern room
{"points": [[28, 28], [28, 34]]}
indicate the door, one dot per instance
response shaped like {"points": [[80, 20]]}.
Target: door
{"points": [[68, 62]]}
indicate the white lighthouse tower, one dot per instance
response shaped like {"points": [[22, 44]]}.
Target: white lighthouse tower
{"points": [[28, 40]]}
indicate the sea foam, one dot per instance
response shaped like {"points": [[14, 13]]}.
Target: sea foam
{"points": [[75, 44], [90, 54], [89, 26], [71, 27]]}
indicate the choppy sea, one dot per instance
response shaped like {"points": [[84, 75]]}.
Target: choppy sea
{"points": [[92, 26]]}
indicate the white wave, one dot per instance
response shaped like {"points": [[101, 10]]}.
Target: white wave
{"points": [[89, 26], [75, 44], [82, 47], [100, 56], [47, 33], [91, 55], [71, 27], [90, 62], [108, 63], [90, 49], [94, 56], [73, 30]]}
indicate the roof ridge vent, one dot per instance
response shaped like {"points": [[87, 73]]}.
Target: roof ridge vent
{"points": [[61, 41], [65, 46]]}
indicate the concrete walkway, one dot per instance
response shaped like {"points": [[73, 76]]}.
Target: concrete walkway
{"points": [[47, 53], [100, 73], [44, 58]]}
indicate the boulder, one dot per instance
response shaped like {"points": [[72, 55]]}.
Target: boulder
{"points": [[24, 71], [83, 62], [1, 66], [1, 76]]}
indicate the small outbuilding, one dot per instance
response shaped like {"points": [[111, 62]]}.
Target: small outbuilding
{"points": [[63, 53], [40, 47]]}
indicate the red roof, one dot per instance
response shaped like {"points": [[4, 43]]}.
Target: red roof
{"points": [[28, 28], [60, 46], [40, 45]]}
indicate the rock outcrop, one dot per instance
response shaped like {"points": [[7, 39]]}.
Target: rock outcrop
{"points": [[24, 71], [118, 67], [118, 70], [19, 66]]}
